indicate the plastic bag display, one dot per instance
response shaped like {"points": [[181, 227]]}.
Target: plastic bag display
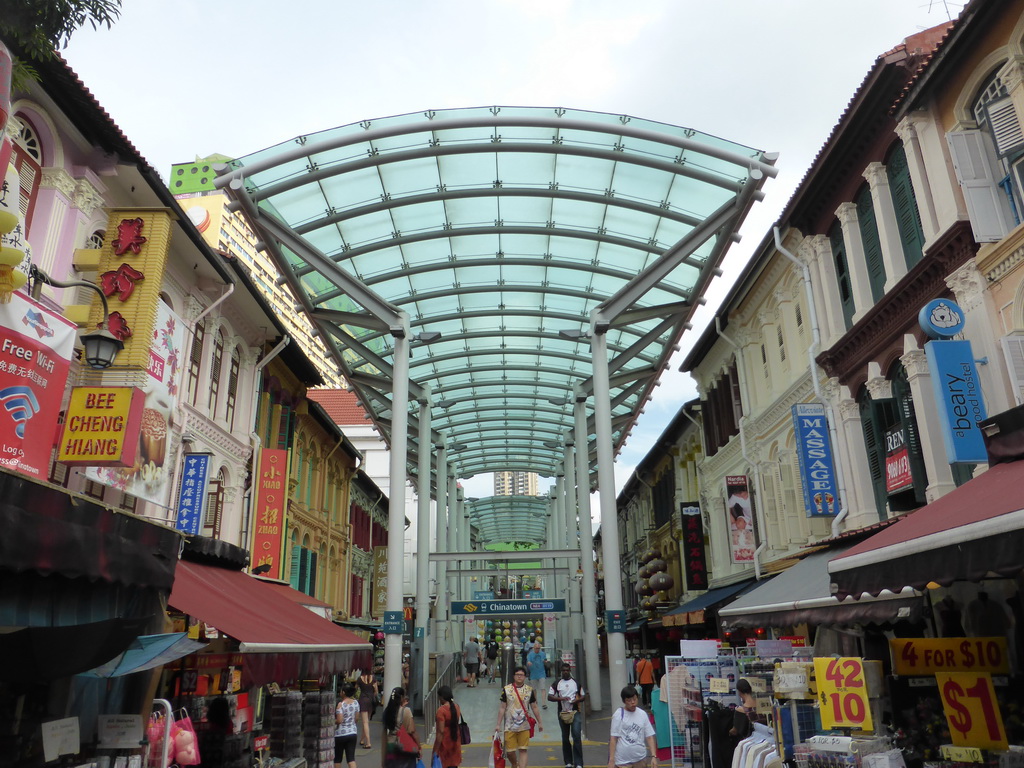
{"points": [[185, 748]]}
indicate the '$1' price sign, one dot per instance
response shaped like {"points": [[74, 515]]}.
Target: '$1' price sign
{"points": [[842, 693], [969, 701]]}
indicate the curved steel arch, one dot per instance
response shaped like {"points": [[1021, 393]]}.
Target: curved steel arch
{"points": [[650, 210]]}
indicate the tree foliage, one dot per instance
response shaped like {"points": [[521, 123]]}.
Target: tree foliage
{"points": [[38, 27]]}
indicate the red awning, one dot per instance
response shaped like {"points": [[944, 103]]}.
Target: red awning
{"points": [[294, 595], [258, 616], [971, 533]]}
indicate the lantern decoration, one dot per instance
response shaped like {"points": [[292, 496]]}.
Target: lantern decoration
{"points": [[12, 254], [646, 604], [644, 588], [10, 199], [657, 566], [661, 582], [655, 553]]}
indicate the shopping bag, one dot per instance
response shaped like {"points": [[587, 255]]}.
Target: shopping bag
{"points": [[497, 755], [185, 747], [436, 762], [419, 763]]}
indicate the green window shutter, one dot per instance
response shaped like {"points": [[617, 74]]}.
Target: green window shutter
{"points": [[293, 574], [874, 442], [908, 218], [872, 245], [311, 574], [842, 273]]}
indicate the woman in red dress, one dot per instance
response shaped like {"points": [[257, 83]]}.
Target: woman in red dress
{"points": [[448, 741]]}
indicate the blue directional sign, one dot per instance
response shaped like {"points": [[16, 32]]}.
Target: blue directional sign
{"points": [[394, 623], [506, 607], [192, 492]]}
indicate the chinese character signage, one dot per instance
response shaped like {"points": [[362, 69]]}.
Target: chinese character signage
{"points": [[271, 500], [739, 513], [380, 582], [101, 427], [150, 475], [898, 474], [814, 450], [35, 354], [959, 400], [695, 563], [195, 471]]}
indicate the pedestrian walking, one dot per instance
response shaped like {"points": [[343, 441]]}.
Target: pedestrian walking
{"points": [[491, 650], [448, 738], [367, 684], [398, 717], [645, 677], [536, 660], [345, 728], [631, 742], [568, 693], [471, 660], [514, 718]]}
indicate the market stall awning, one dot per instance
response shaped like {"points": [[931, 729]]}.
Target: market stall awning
{"points": [[259, 617], [693, 610], [319, 607], [146, 652], [802, 594], [972, 533]]}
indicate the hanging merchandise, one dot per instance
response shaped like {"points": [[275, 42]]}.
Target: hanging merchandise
{"points": [[186, 750]]}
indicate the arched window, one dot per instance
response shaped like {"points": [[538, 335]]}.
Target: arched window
{"points": [[908, 218], [838, 243], [868, 226], [236, 362], [215, 505], [28, 158]]}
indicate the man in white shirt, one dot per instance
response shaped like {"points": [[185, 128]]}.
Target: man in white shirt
{"points": [[631, 741], [568, 693]]}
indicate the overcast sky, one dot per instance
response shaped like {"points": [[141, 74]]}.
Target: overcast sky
{"points": [[193, 77]]}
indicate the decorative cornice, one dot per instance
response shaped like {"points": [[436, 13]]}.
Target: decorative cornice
{"points": [[781, 410], [968, 285], [86, 197], [886, 322], [879, 387], [915, 362], [213, 435], [847, 215], [875, 175], [849, 409], [59, 180]]}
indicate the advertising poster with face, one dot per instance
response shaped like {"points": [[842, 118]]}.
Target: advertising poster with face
{"points": [[149, 478], [739, 513]]}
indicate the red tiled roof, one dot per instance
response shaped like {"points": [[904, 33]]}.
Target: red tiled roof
{"points": [[342, 405]]}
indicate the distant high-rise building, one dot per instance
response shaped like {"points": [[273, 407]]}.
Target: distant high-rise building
{"points": [[207, 208], [515, 483]]}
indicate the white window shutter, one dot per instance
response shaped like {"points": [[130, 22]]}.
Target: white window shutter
{"points": [[987, 205], [1006, 130], [1013, 350]]}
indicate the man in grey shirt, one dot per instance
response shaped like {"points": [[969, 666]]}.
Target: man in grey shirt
{"points": [[471, 660]]}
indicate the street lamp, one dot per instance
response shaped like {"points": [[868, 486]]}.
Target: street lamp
{"points": [[100, 345]]}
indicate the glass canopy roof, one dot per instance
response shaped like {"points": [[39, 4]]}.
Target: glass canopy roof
{"points": [[498, 518], [505, 235]]}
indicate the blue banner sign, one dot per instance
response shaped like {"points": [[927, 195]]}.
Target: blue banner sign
{"points": [[394, 623], [505, 607], [192, 492], [959, 400], [817, 470]]}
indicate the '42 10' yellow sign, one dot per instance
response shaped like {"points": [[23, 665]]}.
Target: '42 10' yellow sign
{"points": [[842, 693]]}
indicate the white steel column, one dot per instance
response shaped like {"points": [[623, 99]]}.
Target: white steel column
{"points": [[606, 489], [426, 450], [558, 542], [588, 590], [441, 539], [453, 546], [572, 537], [396, 503]]}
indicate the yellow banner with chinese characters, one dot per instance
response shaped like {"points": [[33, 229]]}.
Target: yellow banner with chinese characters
{"points": [[380, 582]]}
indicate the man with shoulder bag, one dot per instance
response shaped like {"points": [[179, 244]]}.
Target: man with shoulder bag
{"points": [[569, 693]]}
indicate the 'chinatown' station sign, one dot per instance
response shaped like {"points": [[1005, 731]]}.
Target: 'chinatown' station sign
{"points": [[505, 607]]}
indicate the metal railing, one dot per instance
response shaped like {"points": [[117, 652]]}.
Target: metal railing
{"points": [[448, 676]]}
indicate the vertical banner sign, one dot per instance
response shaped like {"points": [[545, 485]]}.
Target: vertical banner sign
{"points": [[959, 400], [695, 563], [739, 514], [191, 507], [149, 477], [842, 693], [898, 474], [380, 582], [35, 354], [814, 450], [271, 496], [972, 712]]}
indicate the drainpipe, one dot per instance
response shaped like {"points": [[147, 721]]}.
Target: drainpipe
{"points": [[253, 437], [741, 372], [812, 352]]}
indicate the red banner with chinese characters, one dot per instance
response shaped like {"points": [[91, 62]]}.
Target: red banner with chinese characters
{"points": [[271, 495], [695, 563], [35, 354]]}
